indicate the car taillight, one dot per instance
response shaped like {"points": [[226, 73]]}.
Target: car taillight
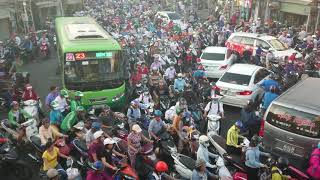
{"points": [[261, 131], [245, 93], [223, 67]]}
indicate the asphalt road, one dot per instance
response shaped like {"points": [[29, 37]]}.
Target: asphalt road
{"points": [[43, 75]]}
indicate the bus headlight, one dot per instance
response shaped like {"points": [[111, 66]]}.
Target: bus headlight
{"points": [[117, 97]]}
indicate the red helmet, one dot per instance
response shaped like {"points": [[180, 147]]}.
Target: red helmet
{"points": [[161, 166]]}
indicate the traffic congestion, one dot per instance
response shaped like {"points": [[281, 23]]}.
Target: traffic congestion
{"points": [[145, 93]]}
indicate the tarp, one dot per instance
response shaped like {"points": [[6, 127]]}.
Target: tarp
{"points": [[294, 8]]}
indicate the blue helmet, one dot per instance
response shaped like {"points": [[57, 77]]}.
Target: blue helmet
{"points": [[239, 124], [157, 113]]}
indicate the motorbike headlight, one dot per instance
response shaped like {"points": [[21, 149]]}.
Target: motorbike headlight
{"points": [[117, 97]]}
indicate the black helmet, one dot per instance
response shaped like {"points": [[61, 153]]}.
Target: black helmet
{"points": [[255, 140], [282, 163]]}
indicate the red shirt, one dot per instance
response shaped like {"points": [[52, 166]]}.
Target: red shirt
{"points": [[292, 57], [144, 70], [29, 95], [136, 78]]}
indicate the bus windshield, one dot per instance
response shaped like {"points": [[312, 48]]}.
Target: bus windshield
{"points": [[94, 71]]}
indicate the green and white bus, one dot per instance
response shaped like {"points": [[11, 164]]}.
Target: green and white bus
{"points": [[90, 60]]}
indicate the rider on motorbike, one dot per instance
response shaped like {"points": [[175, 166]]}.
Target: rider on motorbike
{"points": [[290, 68], [76, 101], [16, 116], [145, 97], [203, 152], [170, 74], [179, 84], [233, 136], [156, 125], [161, 172], [277, 170]]}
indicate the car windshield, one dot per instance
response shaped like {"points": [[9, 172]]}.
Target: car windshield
{"points": [[174, 16], [294, 121], [277, 45], [93, 71], [213, 56], [239, 79]]}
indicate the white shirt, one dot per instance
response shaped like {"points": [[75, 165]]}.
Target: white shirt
{"points": [[62, 103], [214, 108]]}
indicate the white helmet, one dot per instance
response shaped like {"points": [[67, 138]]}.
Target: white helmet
{"points": [[203, 139]]}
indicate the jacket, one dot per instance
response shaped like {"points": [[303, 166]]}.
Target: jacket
{"points": [[204, 154], [14, 120], [268, 98], [233, 136], [253, 157], [314, 164], [276, 174], [179, 84]]}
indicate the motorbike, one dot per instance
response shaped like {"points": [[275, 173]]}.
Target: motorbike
{"points": [[236, 165], [54, 38], [125, 171], [214, 124], [31, 107], [44, 51], [30, 127], [11, 164], [184, 165]]}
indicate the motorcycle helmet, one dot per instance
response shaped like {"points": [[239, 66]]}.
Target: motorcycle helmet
{"points": [[157, 113], [161, 166], [282, 163], [239, 124], [203, 139], [255, 140]]}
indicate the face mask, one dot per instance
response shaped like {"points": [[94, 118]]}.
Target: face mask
{"points": [[180, 78], [206, 144], [171, 67]]}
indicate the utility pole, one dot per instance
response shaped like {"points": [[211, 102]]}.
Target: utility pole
{"points": [[25, 17]]}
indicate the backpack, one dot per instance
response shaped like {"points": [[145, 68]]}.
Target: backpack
{"points": [[210, 107]]}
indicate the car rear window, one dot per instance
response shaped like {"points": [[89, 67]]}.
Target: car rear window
{"points": [[238, 79], [294, 121], [213, 56]]}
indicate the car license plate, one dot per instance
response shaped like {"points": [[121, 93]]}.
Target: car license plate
{"points": [[289, 149], [230, 93]]}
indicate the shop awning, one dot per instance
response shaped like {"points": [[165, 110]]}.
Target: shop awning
{"points": [[300, 7], [45, 4], [74, 1]]}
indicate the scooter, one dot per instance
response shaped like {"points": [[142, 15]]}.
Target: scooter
{"points": [[214, 124], [31, 107], [10, 163], [30, 127], [44, 49], [184, 165]]}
